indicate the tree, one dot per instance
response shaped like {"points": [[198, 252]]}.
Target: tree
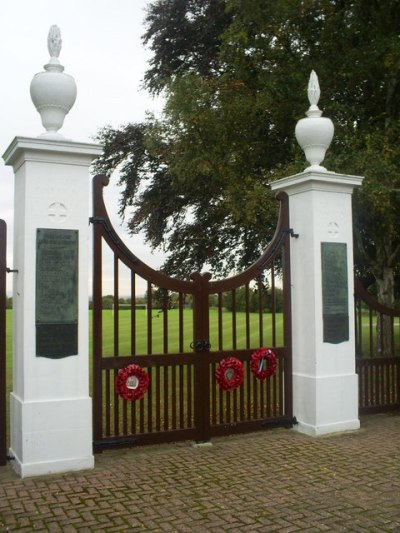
{"points": [[184, 36], [234, 76]]}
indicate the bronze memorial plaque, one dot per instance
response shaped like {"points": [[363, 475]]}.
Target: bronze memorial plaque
{"points": [[335, 293], [56, 293]]}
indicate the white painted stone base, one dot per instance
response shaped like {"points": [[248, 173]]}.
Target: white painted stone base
{"points": [[325, 404], [317, 431], [63, 441], [50, 467]]}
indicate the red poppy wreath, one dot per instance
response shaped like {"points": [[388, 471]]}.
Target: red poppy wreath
{"points": [[230, 373], [260, 358], [132, 382]]}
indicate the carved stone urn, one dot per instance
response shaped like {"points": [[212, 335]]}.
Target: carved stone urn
{"points": [[53, 92], [314, 133]]}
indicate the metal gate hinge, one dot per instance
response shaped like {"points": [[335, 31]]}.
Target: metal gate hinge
{"points": [[291, 232], [96, 220], [11, 270]]}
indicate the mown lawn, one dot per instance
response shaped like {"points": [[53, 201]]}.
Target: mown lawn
{"points": [[172, 327]]}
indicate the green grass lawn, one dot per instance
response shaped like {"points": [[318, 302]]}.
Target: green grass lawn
{"points": [[173, 328]]}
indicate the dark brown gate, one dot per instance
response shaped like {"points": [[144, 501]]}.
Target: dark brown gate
{"points": [[377, 361], [186, 328], [3, 417]]}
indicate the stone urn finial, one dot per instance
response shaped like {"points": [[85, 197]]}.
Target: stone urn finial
{"points": [[53, 92], [314, 133], [54, 43]]}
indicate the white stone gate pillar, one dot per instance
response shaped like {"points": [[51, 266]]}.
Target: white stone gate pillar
{"points": [[51, 414], [325, 385]]}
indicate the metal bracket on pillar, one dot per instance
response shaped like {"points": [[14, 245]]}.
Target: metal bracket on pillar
{"points": [[11, 271], [291, 232]]}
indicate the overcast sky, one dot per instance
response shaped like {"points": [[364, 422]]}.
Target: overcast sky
{"points": [[102, 50]]}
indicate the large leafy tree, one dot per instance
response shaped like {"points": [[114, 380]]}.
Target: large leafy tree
{"points": [[234, 74]]}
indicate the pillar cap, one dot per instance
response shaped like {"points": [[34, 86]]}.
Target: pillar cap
{"points": [[317, 180], [43, 149]]}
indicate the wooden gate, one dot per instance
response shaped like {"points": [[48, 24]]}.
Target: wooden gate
{"points": [[180, 334], [3, 417], [377, 361]]}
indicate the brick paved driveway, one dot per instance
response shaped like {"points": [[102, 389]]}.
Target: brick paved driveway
{"points": [[275, 480]]}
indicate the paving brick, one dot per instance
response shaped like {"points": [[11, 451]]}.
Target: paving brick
{"points": [[268, 481]]}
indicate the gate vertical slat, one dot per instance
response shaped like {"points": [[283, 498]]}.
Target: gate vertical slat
{"points": [[116, 343], [149, 318], [358, 327], [201, 330], [220, 337], [133, 313], [125, 418], [247, 311], [287, 314], [116, 340], [234, 344], [173, 398], [158, 399], [241, 400], [255, 403], [165, 320], [379, 383], [221, 406], [181, 323], [133, 418], [235, 406], [181, 396], [166, 397], [108, 404], [141, 416], [371, 337], [149, 401], [248, 389], [273, 305], [116, 306], [282, 392], [269, 396], [189, 395], [213, 395], [97, 331], [392, 335], [262, 398], [3, 397], [228, 408], [260, 311]]}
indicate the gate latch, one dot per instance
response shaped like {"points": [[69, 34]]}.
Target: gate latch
{"points": [[201, 346]]}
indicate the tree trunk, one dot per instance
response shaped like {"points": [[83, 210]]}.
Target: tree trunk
{"points": [[384, 323]]}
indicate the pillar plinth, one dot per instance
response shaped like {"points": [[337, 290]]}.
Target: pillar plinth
{"points": [[51, 416], [325, 385]]}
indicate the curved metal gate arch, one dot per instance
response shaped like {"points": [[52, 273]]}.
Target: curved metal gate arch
{"points": [[183, 400]]}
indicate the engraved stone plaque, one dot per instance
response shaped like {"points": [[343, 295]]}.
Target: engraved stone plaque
{"points": [[56, 293], [335, 294]]}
